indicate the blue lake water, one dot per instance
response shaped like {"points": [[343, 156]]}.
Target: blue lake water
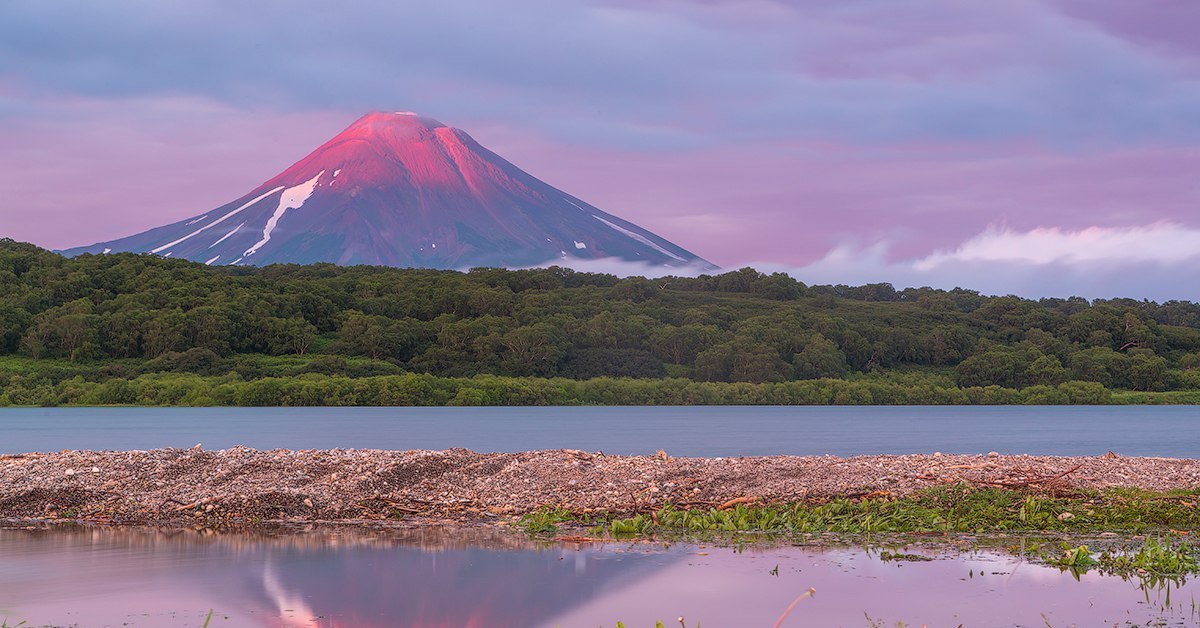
{"points": [[1171, 431]]}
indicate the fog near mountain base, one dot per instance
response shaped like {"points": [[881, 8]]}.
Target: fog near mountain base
{"points": [[622, 268], [1148, 270], [1155, 262]]}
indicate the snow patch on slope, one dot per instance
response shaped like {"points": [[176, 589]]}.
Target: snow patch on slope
{"points": [[217, 221], [233, 231], [196, 220], [209, 262], [579, 245], [292, 198], [640, 238]]}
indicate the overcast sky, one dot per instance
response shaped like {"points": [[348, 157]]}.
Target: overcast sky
{"points": [[1039, 147]]}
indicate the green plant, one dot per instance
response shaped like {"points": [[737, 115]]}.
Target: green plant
{"points": [[1155, 561], [544, 521], [960, 508], [887, 556], [1167, 557], [1074, 558]]}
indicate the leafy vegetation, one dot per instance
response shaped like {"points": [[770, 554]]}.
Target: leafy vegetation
{"points": [[545, 520], [1156, 561], [889, 557], [139, 329], [950, 509]]}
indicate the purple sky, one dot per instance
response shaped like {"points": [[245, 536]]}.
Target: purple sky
{"points": [[1040, 147]]}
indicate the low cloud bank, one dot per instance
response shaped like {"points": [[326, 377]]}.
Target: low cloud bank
{"points": [[625, 268], [1163, 243], [1159, 262]]}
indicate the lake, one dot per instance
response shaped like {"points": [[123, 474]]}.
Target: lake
{"points": [[490, 577], [1171, 431], [448, 577]]}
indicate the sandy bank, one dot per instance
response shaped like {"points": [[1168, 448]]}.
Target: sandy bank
{"points": [[242, 485]]}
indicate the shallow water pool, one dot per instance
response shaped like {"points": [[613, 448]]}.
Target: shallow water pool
{"points": [[486, 577]]}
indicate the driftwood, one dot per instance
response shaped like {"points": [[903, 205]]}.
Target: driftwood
{"points": [[738, 500], [1028, 482], [986, 465], [580, 539], [867, 494], [180, 507]]}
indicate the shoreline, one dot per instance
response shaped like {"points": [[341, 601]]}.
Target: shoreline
{"points": [[241, 486]]}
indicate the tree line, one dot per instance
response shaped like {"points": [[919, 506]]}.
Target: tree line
{"points": [[127, 316], [412, 389]]}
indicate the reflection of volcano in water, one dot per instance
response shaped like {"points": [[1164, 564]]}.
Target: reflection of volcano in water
{"points": [[405, 586], [328, 577], [119, 577]]}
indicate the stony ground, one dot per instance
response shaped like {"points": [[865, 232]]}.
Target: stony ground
{"points": [[242, 485]]}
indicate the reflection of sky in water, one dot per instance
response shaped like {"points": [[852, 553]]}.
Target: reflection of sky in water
{"points": [[440, 577], [724, 588]]}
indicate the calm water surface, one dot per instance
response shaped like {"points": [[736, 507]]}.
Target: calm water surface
{"points": [[1172, 431], [440, 577]]}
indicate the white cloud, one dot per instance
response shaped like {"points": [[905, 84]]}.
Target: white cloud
{"points": [[1156, 262], [625, 268], [1165, 243]]}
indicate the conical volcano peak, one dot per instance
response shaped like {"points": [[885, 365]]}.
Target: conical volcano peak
{"points": [[384, 121], [396, 150], [398, 135], [401, 189]]}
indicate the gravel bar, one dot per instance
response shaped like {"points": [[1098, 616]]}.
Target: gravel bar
{"points": [[239, 486]]}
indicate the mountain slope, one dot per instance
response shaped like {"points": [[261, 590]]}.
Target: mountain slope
{"points": [[398, 189]]}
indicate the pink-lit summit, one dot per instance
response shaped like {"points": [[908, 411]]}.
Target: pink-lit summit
{"points": [[400, 189]]}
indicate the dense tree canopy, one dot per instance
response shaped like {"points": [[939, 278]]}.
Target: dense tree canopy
{"points": [[105, 317]]}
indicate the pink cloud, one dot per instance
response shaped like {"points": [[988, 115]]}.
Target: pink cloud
{"points": [[1167, 26]]}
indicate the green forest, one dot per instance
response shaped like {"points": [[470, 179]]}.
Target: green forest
{"points": [[144, 330]]}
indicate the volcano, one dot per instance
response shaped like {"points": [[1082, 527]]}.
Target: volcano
{"points": [[400, 189]]}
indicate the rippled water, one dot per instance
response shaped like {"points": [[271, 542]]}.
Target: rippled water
{"points": [[1172, 431], [474, 577]]}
